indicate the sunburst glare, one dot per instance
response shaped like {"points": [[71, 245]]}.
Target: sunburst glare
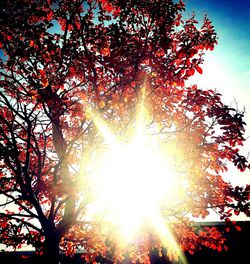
{"points": [[132, 179]]}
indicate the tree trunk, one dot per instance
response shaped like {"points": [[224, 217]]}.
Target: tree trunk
{"points": [[51, 249]]}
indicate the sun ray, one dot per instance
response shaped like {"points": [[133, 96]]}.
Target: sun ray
{"points": [[131, 179], [108, 136], [140, 116], [174, 252]]}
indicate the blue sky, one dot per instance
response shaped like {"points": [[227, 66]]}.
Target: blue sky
{"points": [[231, 19], [227, 68]]}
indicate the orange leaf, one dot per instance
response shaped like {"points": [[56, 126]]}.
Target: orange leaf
{"points": [[101, 104], [105, 51], [45, 83], [83, 96], [160, 53]]}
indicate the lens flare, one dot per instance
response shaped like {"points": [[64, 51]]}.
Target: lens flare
{"points": [[131, 179]]}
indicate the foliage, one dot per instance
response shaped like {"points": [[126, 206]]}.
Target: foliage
{"points": [[62, 59]]}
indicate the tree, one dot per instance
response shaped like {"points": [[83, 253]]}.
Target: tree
{"points": [[63, 58]]}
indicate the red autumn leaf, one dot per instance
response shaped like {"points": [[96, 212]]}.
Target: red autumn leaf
{"points": [[133, 84], [32, 43], [45, 82], [236, 212], [50, 16], [219, 248], [78, 24], [199, 69], [191, 252], [213, 246], [116, 12], [3, 224], [238, 228], [42, 72], [108, 7], [24, 257], [182, 83], [177, 23], [192, 71]]}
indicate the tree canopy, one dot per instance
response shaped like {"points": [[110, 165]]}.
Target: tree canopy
{"points": [[66, 60]]}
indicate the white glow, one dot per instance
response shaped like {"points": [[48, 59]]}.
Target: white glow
{"points": [[131, 181]]}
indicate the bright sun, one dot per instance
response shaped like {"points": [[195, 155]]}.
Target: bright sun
{"points": [[132, 180]]}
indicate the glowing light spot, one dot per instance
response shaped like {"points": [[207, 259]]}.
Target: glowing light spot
{"points": [[132, 180]]}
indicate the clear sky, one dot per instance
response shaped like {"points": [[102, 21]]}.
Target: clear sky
{"points": [[231, 58], [227, 68]]}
